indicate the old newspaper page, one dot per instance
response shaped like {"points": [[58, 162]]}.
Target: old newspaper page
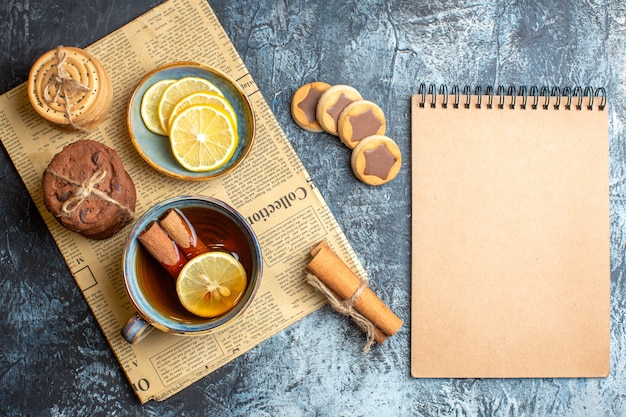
{"points": [[271, 189]]}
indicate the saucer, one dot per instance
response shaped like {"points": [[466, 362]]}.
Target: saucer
{"points": [[155, 149]]}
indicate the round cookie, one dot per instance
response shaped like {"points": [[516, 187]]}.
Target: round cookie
{"points": [[70, 88], [332, 103], [88, 191], [376, 160], [359, 120], [304, 105]]}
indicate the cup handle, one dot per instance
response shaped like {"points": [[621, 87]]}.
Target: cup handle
{"points": [[136, 329]]}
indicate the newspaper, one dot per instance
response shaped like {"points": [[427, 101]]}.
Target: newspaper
{"points": [[271, 189]]}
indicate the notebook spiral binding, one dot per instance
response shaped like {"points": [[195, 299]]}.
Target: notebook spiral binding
{"points": [[541, 98]]}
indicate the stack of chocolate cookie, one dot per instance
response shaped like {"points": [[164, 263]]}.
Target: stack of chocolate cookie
{"points": [[88, 191], [340, 110], [70, 88]]}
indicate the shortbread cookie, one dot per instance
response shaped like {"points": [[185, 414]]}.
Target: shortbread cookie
{"points": [[304, 105], [88, 191], [376, 160], [332, 103], [359, 120]]}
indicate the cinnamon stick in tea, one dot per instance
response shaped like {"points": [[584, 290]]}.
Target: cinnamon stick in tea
{"points": [[181, 231], [162, 248], [337, 276]]}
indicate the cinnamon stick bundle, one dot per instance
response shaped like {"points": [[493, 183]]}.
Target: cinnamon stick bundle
{"points": [[340, 279], [162, 248], [172, 241], [181, 231]]}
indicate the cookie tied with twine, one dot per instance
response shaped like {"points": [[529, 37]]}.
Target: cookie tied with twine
{"points": [[70, 88], [350, 295], [88, 191]]}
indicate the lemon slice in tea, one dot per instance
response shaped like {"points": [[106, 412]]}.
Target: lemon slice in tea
{"points": [[177, 91], [150, 106], [204, 97], [202, 138], [211, 284]]}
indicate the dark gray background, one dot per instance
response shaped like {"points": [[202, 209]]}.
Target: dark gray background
{"points": [[54, 360]]}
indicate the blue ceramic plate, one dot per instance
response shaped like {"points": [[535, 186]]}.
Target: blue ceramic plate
{"points": [[155, 149]]}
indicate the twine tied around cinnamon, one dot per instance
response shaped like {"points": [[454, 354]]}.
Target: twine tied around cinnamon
{"points": [[86, 189], [350, 295], [346, 307], [65, 86]]}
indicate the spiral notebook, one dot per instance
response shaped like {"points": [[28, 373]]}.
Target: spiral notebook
{"points": [[510, 218]]}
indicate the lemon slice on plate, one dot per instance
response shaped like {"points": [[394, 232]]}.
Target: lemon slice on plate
{"points": [[204, 97], [202, 138], [177, 91], [150, 106], [211, 284]]}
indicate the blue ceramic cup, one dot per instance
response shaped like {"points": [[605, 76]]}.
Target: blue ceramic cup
{"points": [[154, 297]]}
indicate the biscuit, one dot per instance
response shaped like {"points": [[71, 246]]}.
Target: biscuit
{"points": [[332, 102], [88, 191], [359, 120], [304, 105], [70, 88], [376, 160]]}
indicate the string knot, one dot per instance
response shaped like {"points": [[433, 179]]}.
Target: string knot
{"points": [[346, 307], [64, 86], [86, 188]]}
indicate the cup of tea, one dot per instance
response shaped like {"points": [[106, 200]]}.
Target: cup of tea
{"points": [[151, 286]]}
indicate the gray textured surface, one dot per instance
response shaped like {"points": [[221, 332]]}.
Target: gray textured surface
{"points": [[55, 362]]}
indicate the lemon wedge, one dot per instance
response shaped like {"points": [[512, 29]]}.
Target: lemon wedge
{"points": [[211, 284], [150, 106], [202, 138]]}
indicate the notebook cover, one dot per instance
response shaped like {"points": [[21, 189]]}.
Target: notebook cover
{"points": [[510, 255]]}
